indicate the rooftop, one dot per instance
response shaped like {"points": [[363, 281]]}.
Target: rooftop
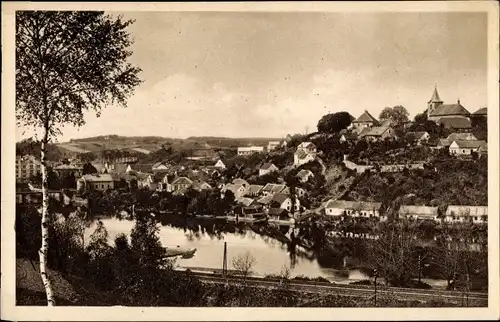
{"points": [[356, 205], [365, 117]]}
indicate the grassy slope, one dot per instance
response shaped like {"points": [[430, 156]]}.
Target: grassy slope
{"points": [[69, 290]]}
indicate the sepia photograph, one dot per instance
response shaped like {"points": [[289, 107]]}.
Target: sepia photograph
{"points": [[270, 155]]}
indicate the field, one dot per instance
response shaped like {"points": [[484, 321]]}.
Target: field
{"points": [[153, 143]]}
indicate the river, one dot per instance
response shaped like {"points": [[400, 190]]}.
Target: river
{"points": [[271, 255]]}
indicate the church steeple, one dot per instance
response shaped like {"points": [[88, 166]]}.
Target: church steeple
{"points": [[435, 96], [434, 102]]}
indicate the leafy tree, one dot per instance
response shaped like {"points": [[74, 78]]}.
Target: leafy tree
{"points": [[145, 243], [68, 62], [98, 246], [87, 157], [88, 168], [397, 115], [334, 123]]}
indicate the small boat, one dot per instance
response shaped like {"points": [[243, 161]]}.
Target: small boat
{"points": [[179, 251]]}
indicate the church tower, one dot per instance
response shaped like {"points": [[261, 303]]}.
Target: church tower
{"points": [[434, 102]]}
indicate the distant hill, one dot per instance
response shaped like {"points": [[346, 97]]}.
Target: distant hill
{"points": [[153, 143]]}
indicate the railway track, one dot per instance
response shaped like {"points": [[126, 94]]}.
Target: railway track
{"points": [[479, 299]]}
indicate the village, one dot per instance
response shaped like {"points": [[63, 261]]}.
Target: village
{"points": [[279, 192]]}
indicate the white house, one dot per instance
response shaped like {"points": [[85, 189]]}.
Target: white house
{"points": [[272, 145], [420, 137], [249, 150], [465, 147], [100, 182], [163, 184], [220, 165], [365, 120], [267, 168], [308, 147], [238, 190], [459, 214], [338, 208], [419, 213]]}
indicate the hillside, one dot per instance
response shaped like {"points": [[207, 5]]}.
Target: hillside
{"points": [[444, 182]]}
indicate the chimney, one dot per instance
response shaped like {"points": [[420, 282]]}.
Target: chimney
{"points": [[458, 101]]}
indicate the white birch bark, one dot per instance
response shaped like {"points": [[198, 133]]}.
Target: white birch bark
{"points": [[43, 252]]}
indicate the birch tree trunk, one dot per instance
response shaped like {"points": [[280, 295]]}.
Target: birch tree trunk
{"points": [[43, 252]]}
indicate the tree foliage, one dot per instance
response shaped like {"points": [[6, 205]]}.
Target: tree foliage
{"points": [[68, 62], [334, 123], [397, 115]]}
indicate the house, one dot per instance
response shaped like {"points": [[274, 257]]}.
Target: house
{"points": [[160, 167], [339, 208], [200, 185], [238, 190], [100, 182], [267, 168], [272, 145], [377, 133], [306, 152], [245, 151], [304, 175], [419, 213], [483, 150], [279, 214], [27, 166], [461, 137], [308, 147], [220, 165], [254, 190], [301, 157], [181, 184], [299, 192], [443, 143], [140, 167], [242, 182], [246, 202], [272, 188], [459, 214], [64, 170], [420, 137], [265, 200], [465, 147], [145, 180], [281, 200], [162, 182], [365, 120], [436, 110], [455, 123], [348, 137]]}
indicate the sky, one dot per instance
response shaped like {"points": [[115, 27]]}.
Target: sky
{"points": [[244, 74]]}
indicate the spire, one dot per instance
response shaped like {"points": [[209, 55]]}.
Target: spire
{"points": [[435, 96]]}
